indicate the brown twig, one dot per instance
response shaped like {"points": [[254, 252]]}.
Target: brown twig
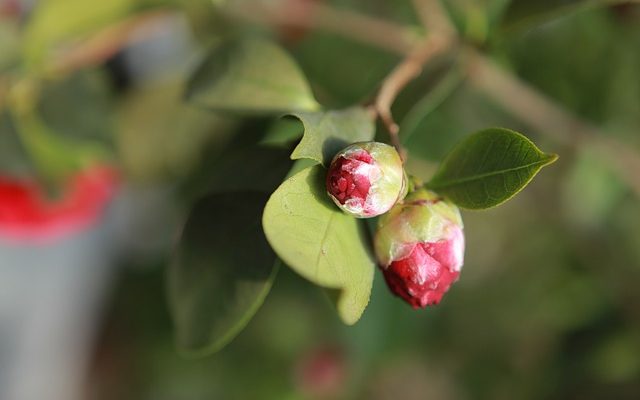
{"points": [[433, 17], [400, 76], [440, 38], [506, 89], [104, 44], [316, 15]]}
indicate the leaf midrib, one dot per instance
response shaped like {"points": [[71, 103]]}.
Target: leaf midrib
{"points": [[324, 237], [455, 182]]}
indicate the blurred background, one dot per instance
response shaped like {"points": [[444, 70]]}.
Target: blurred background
{"points": [[101, 159]]}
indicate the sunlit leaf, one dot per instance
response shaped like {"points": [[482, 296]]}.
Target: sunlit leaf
{"points": [[326, 133], [318, 241]]}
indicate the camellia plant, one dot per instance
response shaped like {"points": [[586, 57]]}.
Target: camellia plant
{"points": [[329, 190], [316, 220], [346, 149]]}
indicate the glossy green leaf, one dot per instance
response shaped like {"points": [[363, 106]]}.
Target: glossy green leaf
{"points": [[318, 241], [221, 271], [326, 133], [251, 76], [488, 168]]}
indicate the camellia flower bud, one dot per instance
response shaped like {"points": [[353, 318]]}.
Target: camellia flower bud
{"points": [[366, 179], [420, 248]]}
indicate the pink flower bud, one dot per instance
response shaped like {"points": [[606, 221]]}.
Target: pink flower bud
{"points": [[420, 248], [366, 179]]}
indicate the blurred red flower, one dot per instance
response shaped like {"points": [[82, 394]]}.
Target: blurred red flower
{"points": [[27, 213]]}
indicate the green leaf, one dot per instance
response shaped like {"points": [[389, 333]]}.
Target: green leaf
{"points": [[430, 102], [14, 160], [523, 14], [221, 271], [55, 22], [326, 133], [250, 75], [353, 82], [9, 44], [283, 133], [318, 241], [86, 90], [160, 137], [240, 168], [56, 156], [591, 180], [299, 165], [488, 168]]}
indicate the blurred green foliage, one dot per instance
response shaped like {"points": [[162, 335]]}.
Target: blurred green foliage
{"points": [[547, 306]]}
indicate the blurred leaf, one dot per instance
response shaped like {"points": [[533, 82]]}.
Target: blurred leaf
{"points": [[241, 168], [521, 14], [318, 241], [579, 79], [431, 101], [54, 155], [56, 21], [465, 110], [339, 84], [488, 168], [221, 272], [283, 132], [9, 43], [591, 190], [87, 91], [13, 157], [160, 136], [326, 133], [615, 359], [250, 75], [475, 19]]}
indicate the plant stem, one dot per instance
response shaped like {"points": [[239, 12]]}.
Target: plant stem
{"points": [[501, 85], [400, 76], [103, 44], [316, 15], [440, 39]]}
